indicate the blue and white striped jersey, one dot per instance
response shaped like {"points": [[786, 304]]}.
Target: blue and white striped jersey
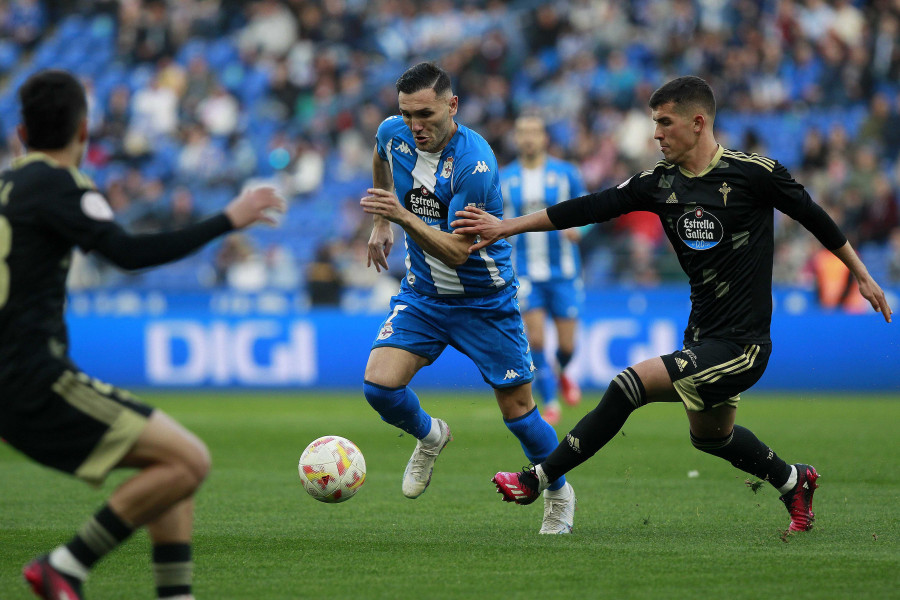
{"points": [[434, 185], [542, 255]]}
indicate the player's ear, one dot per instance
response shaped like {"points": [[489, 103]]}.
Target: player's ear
{"points": [[83, 131], [699, 122], [454, 105], [23, 134]]}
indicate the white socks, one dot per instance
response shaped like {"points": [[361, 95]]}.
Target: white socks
{"points": [[434, 436], [790, 483], [63, 560]]}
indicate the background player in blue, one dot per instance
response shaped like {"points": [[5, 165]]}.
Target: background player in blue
{"points": [[547, 263], [448, 297], [716, 206]]}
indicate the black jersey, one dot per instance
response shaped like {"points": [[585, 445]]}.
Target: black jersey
{"points": [[46, 210], [720, 224]]}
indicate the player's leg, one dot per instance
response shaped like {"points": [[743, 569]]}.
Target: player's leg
{"points": [[565, 333], [634, 387], [102, 428], [171, 534], [710, 378], [538, 439], [388, 373], [544, 375], [172, 462]]}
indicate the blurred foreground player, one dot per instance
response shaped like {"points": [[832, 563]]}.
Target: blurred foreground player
{"points": [[50, 410], [716, 208]]}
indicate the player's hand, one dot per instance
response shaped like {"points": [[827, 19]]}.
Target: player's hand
{"points": [[573, 235], [380, 243], [474, 221], [872, 292], [384, 203], [256, 204]]}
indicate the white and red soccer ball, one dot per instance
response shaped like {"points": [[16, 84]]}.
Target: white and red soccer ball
{"points": [[332, 469]]}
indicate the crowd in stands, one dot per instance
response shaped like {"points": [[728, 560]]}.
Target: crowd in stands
{"points": [[192, 99]]}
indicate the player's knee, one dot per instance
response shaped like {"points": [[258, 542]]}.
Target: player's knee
{"points": [[383, 398], [630, 386], [192, 465]]}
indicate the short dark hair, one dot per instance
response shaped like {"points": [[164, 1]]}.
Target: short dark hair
{"points": [[53, 104], [425, 75], [684, 92]]}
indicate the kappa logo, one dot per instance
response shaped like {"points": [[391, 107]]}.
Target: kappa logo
{"points": [[403, 147], [510, 374], [573, 442], [672, 199], [481, 167], [681, 364]]}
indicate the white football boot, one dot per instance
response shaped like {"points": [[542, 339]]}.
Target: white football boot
{"points": [[418, 471], [559, 510]]}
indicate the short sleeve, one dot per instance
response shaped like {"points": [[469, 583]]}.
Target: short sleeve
{"points": [[386, 131]]}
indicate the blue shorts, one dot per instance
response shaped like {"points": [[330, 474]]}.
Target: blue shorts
{"points": [[560, 298], [487, 329]]}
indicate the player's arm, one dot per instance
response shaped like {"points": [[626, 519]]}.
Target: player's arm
{"points": [[793, 200], [577, 212], [148, 250], [450, 248], [382, 238], [868, 287]]}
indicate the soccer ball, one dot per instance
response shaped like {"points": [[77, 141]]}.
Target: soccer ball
{"points": [[332, 469]]}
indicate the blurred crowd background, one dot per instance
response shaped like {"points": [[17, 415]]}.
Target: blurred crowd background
{"points": [[190, 100]]}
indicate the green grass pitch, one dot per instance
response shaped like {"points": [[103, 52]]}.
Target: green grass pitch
{"points": [[643, 528]]}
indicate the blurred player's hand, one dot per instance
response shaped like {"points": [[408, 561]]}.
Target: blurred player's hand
{"points": [[872, 292], [380, 243], [255, 204], [474, 221]]}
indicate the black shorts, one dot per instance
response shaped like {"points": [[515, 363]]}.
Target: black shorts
{"points": [[78, 425], [711, 373]]}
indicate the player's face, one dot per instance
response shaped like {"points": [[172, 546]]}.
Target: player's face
{"points": [[530, 136], [429, 117], [676, 131]]}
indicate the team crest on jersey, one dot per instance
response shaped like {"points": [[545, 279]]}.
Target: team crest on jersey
{"points": [[387, 330], [699, 229], [423, 203], [447, 169]]}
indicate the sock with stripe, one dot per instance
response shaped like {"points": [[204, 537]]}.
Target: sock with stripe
{"points": [[624, 394], [96, 538], [172, 570], [538, 439], [744, 450], [544, 378]]}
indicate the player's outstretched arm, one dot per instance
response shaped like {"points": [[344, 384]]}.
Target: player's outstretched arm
{"points": [[475, 221], [255, 204], [868, 287], [149, 250]]}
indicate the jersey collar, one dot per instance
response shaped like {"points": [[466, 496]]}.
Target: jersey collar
{"points": [[709, 167]]}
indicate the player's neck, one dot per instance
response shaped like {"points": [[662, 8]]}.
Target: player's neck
{"points": [[533, 162], [64, 157], [704, 153]]}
